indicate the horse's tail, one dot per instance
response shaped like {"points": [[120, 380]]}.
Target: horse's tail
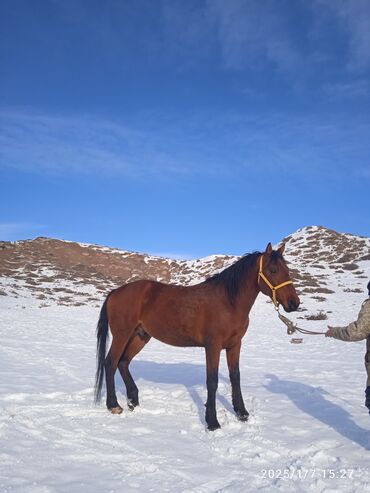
{"points": [[102, 334]]}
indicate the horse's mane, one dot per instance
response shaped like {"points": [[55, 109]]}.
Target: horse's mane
{"points": [[231, 277]]}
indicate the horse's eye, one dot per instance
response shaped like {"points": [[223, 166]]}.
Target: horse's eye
{"points": [[273, 270]]}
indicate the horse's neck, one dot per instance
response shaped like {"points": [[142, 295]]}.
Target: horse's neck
{"points": [[249, 291]]}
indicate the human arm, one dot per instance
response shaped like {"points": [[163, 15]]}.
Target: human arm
{"points": [[355, 331]]}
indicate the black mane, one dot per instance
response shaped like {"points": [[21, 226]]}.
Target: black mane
{"points": [[231, 277]]}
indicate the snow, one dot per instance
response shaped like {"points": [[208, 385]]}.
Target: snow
{"points": [[308, 429], [307, 418]]}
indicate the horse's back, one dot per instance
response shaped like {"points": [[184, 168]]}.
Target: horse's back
{"points": [[137, 296]]}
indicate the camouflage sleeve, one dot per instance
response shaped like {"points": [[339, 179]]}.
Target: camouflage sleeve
{"points": [[355, 331]]}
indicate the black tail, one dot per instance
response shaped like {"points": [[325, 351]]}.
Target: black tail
{"points": [[102, 334]]}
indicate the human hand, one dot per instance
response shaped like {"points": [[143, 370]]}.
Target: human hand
{"points": [[329, 332]]}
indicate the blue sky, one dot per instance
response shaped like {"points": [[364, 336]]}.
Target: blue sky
{"points": [[183, 127]]}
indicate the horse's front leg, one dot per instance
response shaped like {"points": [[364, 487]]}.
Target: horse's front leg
{"points": [[232, 356], [213, 360]]}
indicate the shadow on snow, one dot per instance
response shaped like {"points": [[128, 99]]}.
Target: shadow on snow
{"points": [[311, 400], [190, 375]]}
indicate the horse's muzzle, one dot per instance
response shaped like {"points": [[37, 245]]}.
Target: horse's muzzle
{"points": [[292, 305]]}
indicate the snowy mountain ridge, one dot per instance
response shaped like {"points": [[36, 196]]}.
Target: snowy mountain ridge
{"points": [[68, 273]]}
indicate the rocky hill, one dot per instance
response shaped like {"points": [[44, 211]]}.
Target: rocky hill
{"points": [[65, 272], [55, 271]]}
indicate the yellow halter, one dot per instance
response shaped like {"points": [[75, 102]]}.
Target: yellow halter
{"points": [[273, 288]]}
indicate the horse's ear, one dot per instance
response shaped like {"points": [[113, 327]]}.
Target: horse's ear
{"points": [[268, 249], [281, 249]]}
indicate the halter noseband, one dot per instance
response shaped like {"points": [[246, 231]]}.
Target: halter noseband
{"points": [[273, 288]]}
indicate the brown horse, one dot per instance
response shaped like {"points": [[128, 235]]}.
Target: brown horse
{"points": [[212, 314]]}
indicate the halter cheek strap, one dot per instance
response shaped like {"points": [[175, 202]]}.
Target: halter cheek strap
{"points": [[273, 288]]}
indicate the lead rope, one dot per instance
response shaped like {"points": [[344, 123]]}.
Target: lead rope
{"points": [[291, 328]]}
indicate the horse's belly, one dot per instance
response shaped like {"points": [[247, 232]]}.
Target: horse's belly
{"points": [[179, 341], [172, 336]]}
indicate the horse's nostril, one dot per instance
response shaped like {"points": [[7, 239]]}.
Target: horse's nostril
{"points": [[292, 305]]}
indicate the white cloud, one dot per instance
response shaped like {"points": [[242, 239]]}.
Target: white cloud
{"points": [[354, 89], [174, 147], [250, 35], [236, 35], [64, 144], [353, 17], [253, 32]]}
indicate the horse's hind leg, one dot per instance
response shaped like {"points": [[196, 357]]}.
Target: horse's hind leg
{"points": [[111, 362], [134, 346]]}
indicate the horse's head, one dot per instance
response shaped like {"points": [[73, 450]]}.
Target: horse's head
{"points": [[274, 279]]}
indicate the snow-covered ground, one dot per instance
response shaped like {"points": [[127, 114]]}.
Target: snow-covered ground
{"points": [[308, 429]]}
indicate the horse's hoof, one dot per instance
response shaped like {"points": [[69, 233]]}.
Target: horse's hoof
{"points": [[131, 405], [116, 410], [243, 417], [214, 427]]}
